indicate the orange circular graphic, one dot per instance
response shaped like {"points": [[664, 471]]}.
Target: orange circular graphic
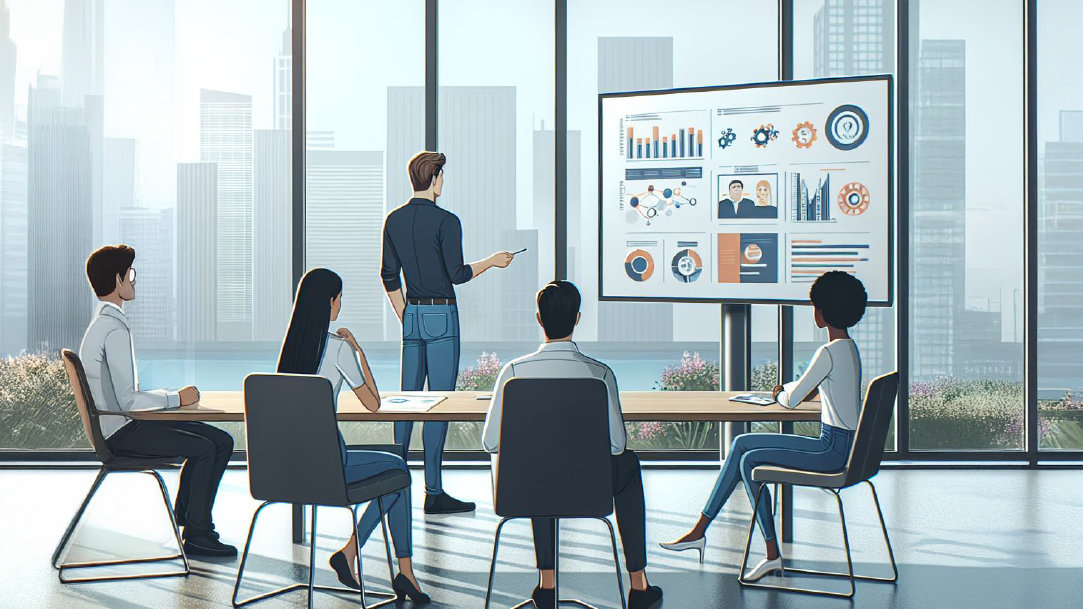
{"points": [[854, 199], [639, 265], [753, 253], [804, 134]]}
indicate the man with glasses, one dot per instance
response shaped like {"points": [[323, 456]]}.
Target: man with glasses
{"points": [[113, 378]]}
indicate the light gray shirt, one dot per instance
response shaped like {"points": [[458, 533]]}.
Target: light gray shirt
{"points": [[108, 356], [341, 365], [836, 369], [556, 360]]}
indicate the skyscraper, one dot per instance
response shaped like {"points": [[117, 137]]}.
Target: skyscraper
{"points": [[82, 68], [283, 94], [118, 184], [197, 237], [1060, 259], [938, 208], [7, 74], [226, 140], [59, 185], [544, 149], [854, 37], [272, 213], [151, 314], [633, 64], [344, 224], [13, 247], [405, 137]]}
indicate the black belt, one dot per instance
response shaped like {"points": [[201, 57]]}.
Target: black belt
{"points": [[431, 301]]}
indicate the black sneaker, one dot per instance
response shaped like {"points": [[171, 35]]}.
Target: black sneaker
{"points": [[544, 598], [205, 545], [182, 522], [446, 504], [644, 599]]}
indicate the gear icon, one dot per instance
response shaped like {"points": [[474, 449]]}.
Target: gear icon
{"points": [[804, 134], [727, 138], [854, 199], [763, 135]]}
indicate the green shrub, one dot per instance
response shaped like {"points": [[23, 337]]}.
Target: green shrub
{"points": [[956, 414], [37, 408]]}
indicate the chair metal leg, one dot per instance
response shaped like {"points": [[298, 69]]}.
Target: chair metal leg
{"points": [[492, 565], [61, 568], [310, 587], [616, 562], [387, 538], [887, 541]]}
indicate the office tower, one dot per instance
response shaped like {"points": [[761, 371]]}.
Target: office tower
{"points": [[59, 222], [632, 64], [520, 288], [7, 74], [344, 224], [1060, 260], [854, 37], [226, 140], [477, 133], [118, 184], [151, 314], [197, 238], [82, 68], [544, 200], [13, 247], [938, 209], [320, 140], [272, 213], [283, 94]]}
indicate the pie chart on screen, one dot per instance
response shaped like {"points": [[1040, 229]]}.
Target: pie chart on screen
{"points": [[639, 265], [753, 253]]}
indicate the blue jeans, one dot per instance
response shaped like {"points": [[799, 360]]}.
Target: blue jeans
{"points": [[361, 464], [430, 351], [828, 453]]}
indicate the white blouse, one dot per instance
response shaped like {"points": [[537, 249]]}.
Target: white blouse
{"points": [[341, 365], [836, 369]]}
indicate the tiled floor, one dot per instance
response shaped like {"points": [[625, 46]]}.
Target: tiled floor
{"points": [[982, 539]]}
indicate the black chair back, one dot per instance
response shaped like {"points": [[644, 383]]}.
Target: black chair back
{"points": [[554, 459], [292, 434], [872, 429], [84, 401]]}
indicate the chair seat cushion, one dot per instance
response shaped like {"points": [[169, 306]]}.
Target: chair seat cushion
{"points": [[377, 486], [785, 475]]}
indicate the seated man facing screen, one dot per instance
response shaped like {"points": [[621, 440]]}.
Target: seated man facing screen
{"points": [[558, 357], [112, 376]]}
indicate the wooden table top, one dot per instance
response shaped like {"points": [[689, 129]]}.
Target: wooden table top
{"points": [[220, 406]]}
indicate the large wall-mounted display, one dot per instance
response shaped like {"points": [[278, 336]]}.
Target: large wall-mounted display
{"points": [[746, 193]]}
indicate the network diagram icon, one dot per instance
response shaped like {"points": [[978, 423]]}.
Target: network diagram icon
{"points": [[652, 203]]}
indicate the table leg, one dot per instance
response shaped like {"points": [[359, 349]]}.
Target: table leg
{"points": [[786, 500], [299, 523]]}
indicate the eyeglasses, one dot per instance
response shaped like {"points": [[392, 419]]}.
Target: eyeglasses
{"points": [[131, 275]]}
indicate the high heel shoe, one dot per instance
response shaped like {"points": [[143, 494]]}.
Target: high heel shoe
{"points": [[342, 570], [680, 546], [403, 588]]}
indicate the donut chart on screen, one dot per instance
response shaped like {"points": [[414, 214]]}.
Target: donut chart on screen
{"points": [[687, 266], [639, 265]]}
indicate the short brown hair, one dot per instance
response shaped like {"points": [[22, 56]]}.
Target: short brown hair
{"points": [[103, 266], [424, 167]]}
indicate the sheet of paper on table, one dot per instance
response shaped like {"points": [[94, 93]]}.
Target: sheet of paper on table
{"points": [[410, 403]]}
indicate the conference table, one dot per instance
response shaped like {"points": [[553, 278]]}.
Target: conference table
{"points": [[464, 406]]}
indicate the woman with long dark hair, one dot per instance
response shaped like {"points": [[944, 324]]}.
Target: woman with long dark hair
{"points": [[311, 348]]}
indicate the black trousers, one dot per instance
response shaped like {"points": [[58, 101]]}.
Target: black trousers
{"points": [[206, 451], [631, 517]]}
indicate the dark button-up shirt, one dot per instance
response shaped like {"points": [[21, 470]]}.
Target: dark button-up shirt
{"points": [[424, 242]]}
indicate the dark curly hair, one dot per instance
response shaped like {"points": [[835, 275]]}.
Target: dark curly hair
{"points": [[840, 297]]}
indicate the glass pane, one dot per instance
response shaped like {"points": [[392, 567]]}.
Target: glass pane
{"points": [[1060, 250], [496, 128], [846, 38], [966, 265], [133, 121], [362, 131], [643, 46]]}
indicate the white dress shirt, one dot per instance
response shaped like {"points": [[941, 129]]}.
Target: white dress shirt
{"points": [[556, 360], [341, 365], [109, 360], [836, 369]]}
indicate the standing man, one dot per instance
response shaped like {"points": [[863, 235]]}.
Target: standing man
{"points": [[424, 243], [112, 376]]}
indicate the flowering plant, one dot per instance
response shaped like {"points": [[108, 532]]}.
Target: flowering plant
{"points": [[482, 377]]}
